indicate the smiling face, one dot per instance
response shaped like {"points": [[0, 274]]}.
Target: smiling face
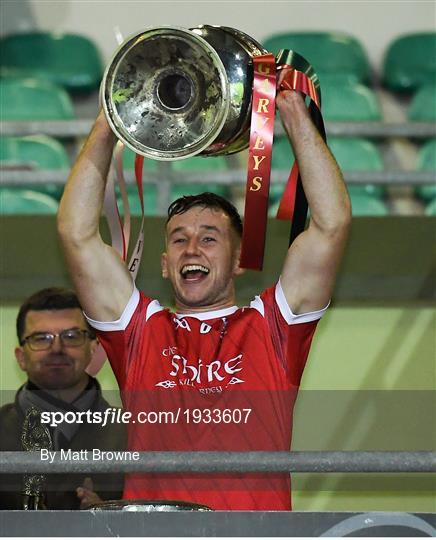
{"points": [[201, 259], [60, 367]]}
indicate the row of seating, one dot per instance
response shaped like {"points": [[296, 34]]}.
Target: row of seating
{"points": [[339, 60], [30, 202], [74, 62], [68, 60], [407, 63], [352, 154], [343, 100]]}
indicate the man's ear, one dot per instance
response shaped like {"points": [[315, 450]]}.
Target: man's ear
{"points": [[94, 344], [19, 355], [237, 270], [164, 265]]}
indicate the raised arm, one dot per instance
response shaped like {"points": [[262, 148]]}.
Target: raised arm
{"points": [[312, 261], [101, 278]]}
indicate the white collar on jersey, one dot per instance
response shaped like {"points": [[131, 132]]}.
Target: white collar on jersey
{"points": [[207, 315]]}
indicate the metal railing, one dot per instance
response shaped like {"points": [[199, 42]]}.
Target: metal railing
{"points": [[81, 128], [165, 175], [297, 462], [230, 177]]}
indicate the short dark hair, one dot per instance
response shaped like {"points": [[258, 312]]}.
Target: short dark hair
{"points": [[207, 200], [51, 298]]}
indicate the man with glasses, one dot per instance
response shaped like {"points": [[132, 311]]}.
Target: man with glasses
{"points": [[56, 345]]}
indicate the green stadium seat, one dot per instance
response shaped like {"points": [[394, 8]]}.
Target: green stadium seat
{"points": [[427, 162], [352, 154], [327, 52], [410, 62], [199, 164], [32, 99], [150, 190], [195, 164], [282, 155], [431, 208], [150, 200], [129, 157], [355, 154], [282, 160], [423, 105], [273, 207], [182, 189], [68, 60], [427, 156], [367, 205], [34, 152], [23, 201], [336, 79], [348, 102]]}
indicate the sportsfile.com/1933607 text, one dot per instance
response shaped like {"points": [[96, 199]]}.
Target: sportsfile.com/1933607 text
{"points": [[113, 415]]}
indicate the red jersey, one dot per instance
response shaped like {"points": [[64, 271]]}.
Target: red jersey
{"points": [[220, 380]]}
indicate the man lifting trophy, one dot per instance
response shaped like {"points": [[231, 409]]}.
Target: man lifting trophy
{"points": [[218, 376]]}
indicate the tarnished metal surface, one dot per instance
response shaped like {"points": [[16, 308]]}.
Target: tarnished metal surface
{"points": [[316, 462], [236, 51], [142, 505], [171, 93], [165, 93]]}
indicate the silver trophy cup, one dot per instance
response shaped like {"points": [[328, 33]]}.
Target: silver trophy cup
{"points": [[171, 93]]}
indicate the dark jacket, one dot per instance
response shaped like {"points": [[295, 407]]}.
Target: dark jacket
{"points": [[60, 489]]}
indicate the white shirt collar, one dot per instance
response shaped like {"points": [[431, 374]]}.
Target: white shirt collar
{"points": [[207, 315]]}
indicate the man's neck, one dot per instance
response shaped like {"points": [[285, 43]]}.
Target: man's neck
{"points": [[68, 395], [186, 309]]}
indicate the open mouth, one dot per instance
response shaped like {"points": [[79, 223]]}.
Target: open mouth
{"points": [[194, 272]]}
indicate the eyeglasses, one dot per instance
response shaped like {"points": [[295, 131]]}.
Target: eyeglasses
{"points": [[41, 341]]}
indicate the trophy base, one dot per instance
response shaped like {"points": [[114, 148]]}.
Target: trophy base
{"points": [[142, 505]]}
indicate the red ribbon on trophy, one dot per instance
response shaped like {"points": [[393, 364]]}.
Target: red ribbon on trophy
{"points": [[293, 204], [259, 161]]}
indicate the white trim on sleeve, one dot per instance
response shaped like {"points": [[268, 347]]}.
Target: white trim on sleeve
{"points": [[286, 311], [123, 321], [257, 303], [153, 307]]}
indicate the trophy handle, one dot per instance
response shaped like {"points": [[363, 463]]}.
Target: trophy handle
{"points": [[34, 437]]}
